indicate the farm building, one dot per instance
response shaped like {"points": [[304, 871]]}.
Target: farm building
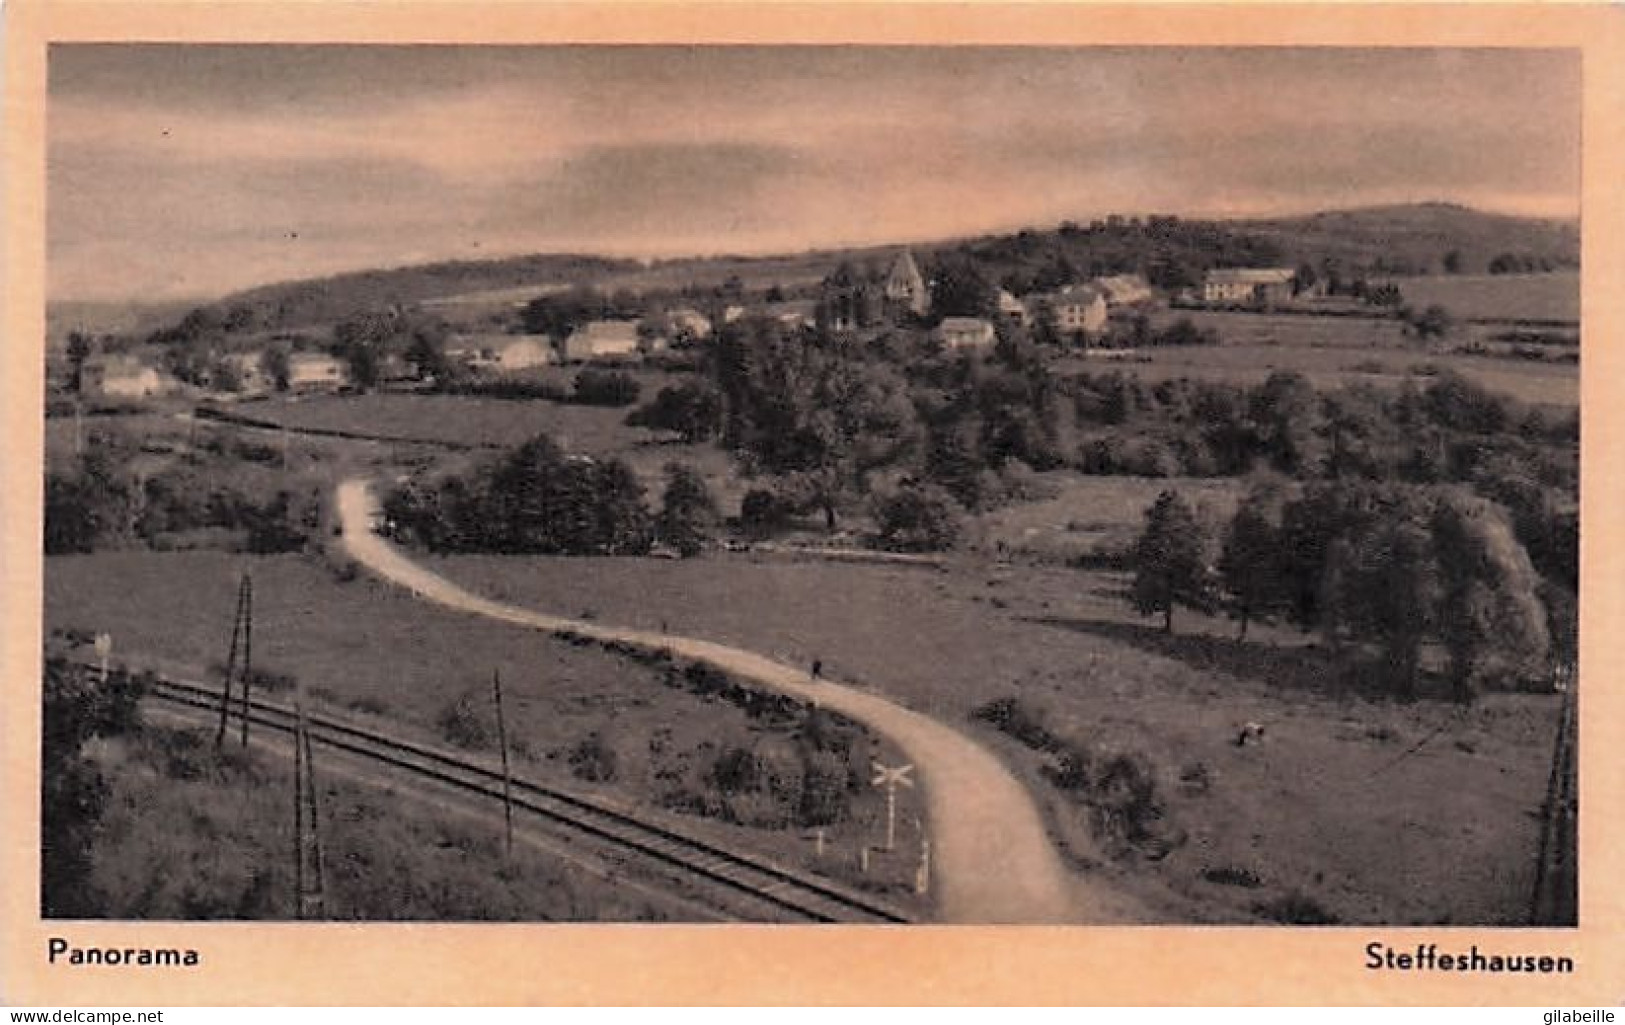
{"points": [[905, 287], [120, 377], [1247, 285], [502, 352], [965, 333], [1123, 289], [314, 371], [601, 339], [1078, 309]]}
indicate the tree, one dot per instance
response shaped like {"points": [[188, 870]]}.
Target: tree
{"points": [[960, 288], [1287, 416], [1250, 565], [917, 517], [688, 512], [1433, 322], [692, 410], [1382, 585], [80, 347], [77, 706], [278, 368], [819, 417], [1492, 620], [1170, 564], [1452, 262]]}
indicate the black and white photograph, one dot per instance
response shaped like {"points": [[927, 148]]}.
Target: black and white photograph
{"points": [[856, 484]]}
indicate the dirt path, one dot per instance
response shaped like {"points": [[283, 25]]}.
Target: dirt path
{"points": [[993, 860]]}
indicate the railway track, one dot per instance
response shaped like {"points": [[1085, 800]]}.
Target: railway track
{"points": [[1556, 896], [733, 879]]}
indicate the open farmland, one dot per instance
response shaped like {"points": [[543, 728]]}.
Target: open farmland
{"points": [[505, 423], [376, 653], [1302, 814], [1499, 297], [1330, 352]]}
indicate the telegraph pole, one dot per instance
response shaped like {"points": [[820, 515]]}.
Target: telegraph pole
{"points": [[248, 647], [309, 885], [507, 777], [231, 665], [242, 634]]}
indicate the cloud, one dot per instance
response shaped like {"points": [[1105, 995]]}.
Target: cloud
{"points": [[216, 167]]}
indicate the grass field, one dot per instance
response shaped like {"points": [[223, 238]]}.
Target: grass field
{"points": [[1331, 352], [1331, 809], [1498, 296], [376, 653], [188, 835], [593, 430]]}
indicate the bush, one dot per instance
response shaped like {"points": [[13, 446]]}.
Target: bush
{"points": [[594, 759], [1295, 909], [764, 513], [460, 723], [605, 388], [918, 517]]}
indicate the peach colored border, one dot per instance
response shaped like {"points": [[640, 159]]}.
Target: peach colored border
{"points": [[293, 964]]}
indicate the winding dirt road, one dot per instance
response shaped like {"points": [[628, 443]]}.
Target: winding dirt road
{"points": [[993, 859]]}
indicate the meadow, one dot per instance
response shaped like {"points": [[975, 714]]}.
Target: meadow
{"points": [[376, 654], [1502, 297], [1338, 809], [188, 834]]}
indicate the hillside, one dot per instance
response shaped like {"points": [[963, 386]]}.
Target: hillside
{"points": [[1173, 252], [1415, 238]]}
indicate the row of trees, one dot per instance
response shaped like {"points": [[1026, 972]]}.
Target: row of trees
{"points": [[1390, 567], [538, 499], [97, 503]]}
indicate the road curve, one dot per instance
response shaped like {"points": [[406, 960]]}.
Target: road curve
{"points": [[993, 860]]}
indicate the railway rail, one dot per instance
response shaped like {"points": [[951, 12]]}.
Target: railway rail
{"points": [[735, 879], [1555, 896]]}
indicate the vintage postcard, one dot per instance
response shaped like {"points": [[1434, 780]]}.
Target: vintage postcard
{"points": [[811, 504]]}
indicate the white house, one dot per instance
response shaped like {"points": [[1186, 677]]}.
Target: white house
{"points": [[314, 371], [1247, 284], [602, 339], [965, 333], [120, 377], [1078, 309]]}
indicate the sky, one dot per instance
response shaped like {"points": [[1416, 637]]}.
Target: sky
{"points": [[193, 170]]}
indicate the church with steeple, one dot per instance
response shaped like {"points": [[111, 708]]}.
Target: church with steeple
{"points": [[905, 287]]}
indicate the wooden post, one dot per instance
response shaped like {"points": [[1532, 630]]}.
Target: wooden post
{"points": [[231, 666], [507, 777], [248, 647]]}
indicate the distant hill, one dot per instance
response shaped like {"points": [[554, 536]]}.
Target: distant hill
{"points": [[1415, 238], [1173, 252]]}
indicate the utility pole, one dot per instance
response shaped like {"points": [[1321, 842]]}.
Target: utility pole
{"points": [[248, 647], [507, 777], [242, 628], [309, 884]]}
